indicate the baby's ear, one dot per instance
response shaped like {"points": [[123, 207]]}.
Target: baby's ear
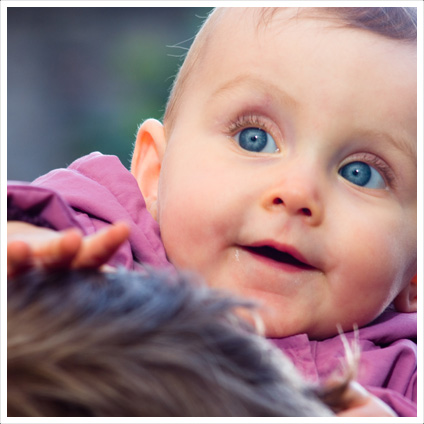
{"points": [[146, 161], [406, 300]]}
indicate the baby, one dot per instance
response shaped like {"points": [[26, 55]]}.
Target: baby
{"points": [[285, 171]]}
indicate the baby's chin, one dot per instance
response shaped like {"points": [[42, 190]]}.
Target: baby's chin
{"points": [[269, 326], [265, 325], [277, 328]]}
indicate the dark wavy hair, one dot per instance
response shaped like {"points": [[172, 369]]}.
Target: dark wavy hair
{"points": [[86, 343], [398, 23]]}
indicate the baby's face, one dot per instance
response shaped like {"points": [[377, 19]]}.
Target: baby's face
{"points": [[290, 173]]}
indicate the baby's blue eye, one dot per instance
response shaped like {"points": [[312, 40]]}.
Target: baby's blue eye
{"points": [[256, 140], [362, 174]]}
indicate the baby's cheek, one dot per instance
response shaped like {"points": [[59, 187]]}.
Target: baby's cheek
{"points": [[381, 275], [365, 278], [182, 232]]}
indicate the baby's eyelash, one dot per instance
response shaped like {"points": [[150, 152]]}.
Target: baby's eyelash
{"points": [[246, 121], [381, 166]]}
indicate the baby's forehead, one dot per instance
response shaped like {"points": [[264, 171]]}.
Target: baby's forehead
{"points": [[396, 24], [225, 24], [248, 25]]}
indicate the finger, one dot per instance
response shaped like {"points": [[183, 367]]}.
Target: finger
{"points": [[107, 268], [18, 258], [362, 403], [98, 248], [60, 251]]}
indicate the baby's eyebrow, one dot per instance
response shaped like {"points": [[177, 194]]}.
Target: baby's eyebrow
{"points": [[249, 80], [398, 143]]}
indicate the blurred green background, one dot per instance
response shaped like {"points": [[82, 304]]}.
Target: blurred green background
{"points": [[83, 79]]}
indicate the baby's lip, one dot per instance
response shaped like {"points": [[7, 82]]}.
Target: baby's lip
{"points": [[281, 253]]}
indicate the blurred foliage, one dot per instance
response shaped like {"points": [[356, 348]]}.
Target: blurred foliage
{"points": [[83, 79]]}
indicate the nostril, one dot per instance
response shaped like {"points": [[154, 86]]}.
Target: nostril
{"points": [[302, 211], [306, 212]]}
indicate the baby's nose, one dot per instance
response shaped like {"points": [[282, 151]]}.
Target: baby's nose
{"points": [[297, 196]]}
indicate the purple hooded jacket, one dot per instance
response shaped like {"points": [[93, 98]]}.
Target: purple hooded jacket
{"points": [[97, 190]]}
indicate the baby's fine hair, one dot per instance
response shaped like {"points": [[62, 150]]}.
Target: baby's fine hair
{"points": [[86, 343], [397, 23]]}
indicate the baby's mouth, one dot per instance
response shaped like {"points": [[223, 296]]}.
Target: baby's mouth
{"points": [[278, 256]]}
